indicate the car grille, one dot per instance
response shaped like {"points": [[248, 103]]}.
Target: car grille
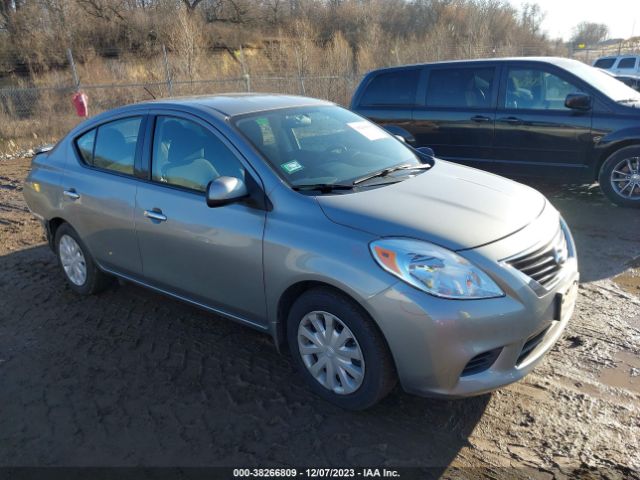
{"points": [[530, 345], [544, 263], [481, 362]]}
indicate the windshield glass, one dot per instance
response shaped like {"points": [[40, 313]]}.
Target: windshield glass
{"points": [[610, 86], [323, 144]]}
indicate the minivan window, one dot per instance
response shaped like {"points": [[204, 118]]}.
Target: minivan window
{"points": [[115, 148], [536, 89], [628, 62], [392, 88], [604, 63], [460, 87], [187, 155]]}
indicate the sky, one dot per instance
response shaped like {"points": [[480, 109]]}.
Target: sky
{"points": [[562, 15]]}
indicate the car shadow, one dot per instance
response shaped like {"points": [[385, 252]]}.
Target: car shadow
{"points": [[131, 377], [606, 235]]}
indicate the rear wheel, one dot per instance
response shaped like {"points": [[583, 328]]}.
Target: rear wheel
{"points": [[620, 177], [338, 350], [78, 267]]}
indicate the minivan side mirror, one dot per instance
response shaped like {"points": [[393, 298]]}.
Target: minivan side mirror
{"points": [[578, 101], [225, 190]]}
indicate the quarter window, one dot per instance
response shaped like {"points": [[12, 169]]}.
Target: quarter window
{"points": [[392, 88], [460, 87], [187, 155], [605, 63], [85, 145], [535, 89]]}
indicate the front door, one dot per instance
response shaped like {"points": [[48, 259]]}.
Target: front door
{"points": [[212, 256], [536, 135]]}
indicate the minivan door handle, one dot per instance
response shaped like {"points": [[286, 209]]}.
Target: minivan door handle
{"points": [[156, 215], [510, 120], [480, 118], [71, 194]]}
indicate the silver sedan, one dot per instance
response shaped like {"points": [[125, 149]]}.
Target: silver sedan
{"points": [[369, 261]]}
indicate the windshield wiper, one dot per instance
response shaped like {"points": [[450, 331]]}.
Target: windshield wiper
{"points": [[322, 187], [629, 100], [386, 171]]}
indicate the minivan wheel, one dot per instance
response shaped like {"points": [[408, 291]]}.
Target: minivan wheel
{"points": [[620, 177], [338, 350], [78, 268]]}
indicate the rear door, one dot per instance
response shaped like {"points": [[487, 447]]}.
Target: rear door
{"points": [[456, 112], [536, 135], [100, 191]]}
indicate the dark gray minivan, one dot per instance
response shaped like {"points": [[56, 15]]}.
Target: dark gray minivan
{"points": [[552, 118]]}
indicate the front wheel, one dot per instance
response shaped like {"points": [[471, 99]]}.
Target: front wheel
{"points": [[620, 177], [338, 350]]}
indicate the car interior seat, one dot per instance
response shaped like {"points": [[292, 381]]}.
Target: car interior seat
{"points": [[186, 165]]}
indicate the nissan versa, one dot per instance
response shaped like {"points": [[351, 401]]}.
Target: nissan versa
{"points": [[370, 261]]}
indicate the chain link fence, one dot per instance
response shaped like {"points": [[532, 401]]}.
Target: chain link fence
{"points": [[39, 104]]}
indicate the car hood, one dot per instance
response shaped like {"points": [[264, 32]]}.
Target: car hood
{"points": [[450, 205]]}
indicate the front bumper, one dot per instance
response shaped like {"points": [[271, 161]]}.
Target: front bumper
{"points": [[433, 341]]}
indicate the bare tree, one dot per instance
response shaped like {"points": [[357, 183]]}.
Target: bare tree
{"points": [[589, 33]]}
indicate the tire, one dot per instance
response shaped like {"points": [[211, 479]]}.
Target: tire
{"points": [[93, 280], [618, 191], [370, 379]]}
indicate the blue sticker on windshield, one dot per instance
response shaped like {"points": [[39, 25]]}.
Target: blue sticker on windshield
{"points": [[291, 167]]}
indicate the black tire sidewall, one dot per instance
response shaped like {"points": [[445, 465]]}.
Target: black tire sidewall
{"points": [[89, 285], [379, 377], [605, 176]]}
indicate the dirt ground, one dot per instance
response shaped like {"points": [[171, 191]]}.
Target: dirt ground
{"points": [[133, 378]]}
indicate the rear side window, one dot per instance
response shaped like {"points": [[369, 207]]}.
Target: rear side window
{"points": [[629, 62], [85, 145], [604, 63], [460, 87], [111, 146], [392, 88]]}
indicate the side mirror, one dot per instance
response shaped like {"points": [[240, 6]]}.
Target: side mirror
{"points": [[578, 101], [225, 190], [428, 151]]}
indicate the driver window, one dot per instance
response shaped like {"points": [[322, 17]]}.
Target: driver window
{"points": [[534, 89], [188, 155]]}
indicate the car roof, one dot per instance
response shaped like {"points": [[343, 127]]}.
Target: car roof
{"points": [[233, 104], [559, 61]]}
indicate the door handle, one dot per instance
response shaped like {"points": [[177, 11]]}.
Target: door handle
{"points": [[71, 194], [511, 120], [480, 118], [156, 215]]}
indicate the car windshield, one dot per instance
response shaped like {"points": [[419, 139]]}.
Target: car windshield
{"points": [[323, 145], [610, 86]]}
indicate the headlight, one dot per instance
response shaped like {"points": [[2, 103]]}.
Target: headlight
{"points": [[433, 269]]}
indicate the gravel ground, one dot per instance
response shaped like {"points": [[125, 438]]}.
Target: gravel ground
{"points": [[131, 378]]}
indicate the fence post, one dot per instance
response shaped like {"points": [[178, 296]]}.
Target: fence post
{"points": [[167, 72], [74, 72], [245, 73]]}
